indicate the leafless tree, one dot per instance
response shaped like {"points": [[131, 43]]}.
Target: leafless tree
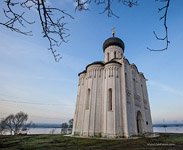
{"points": [[70, 123], [64, 125], [3, 129], [14, 123], [7, 123], [19, 121], [53, 23]]}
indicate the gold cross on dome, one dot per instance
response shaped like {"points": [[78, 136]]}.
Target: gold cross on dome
{"points": [[113, 31]]}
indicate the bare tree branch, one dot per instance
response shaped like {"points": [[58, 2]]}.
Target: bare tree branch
{"points": [[164, 18], [15, 19], [83, 5], [109, 10], [53, 28], [129, 3]]}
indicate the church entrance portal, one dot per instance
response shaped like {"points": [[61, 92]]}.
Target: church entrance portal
{"points": [[139, 122]]}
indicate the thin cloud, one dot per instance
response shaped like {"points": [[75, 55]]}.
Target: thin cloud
{"points": [[162, 87]]}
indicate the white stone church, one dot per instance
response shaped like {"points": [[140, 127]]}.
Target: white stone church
{"points": [[112, 98]]}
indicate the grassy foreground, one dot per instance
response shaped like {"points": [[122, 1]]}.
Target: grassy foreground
{"points": [[54, 142]]}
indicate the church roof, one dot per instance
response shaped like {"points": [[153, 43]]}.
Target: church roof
{"points": [[113, 41], [95, 63], [98, 63], [81, 72]]}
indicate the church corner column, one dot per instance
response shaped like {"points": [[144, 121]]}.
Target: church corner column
{"points": [[75, 129], [148, 113], [76, 111], [140, 87], [104, 123], [124, 103]]}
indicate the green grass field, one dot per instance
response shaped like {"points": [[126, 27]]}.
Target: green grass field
{"points": [[60, 142]]}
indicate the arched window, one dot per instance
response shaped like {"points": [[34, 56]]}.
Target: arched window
{"points": [[110, 99], [88, 99], [107, 56], [139, 123], [134, 81], [126, 80], [115, 54]]}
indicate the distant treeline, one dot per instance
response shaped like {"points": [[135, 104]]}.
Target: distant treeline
{"points": [[46, 125], [169, 125]]}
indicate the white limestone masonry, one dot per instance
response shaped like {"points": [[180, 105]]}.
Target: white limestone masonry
{"points": [[112, 99]]}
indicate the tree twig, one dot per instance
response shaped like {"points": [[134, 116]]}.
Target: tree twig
{"points": [[164, 18], [83, 5]]}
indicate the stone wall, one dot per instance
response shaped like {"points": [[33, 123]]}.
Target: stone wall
{"points": [[112, 99]]}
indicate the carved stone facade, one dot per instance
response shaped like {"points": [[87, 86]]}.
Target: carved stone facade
{"points": [[112, 98]]}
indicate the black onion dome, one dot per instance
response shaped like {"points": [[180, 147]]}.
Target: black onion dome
{"points": [[113, 41]]}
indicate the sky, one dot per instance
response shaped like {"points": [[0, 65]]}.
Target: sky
{"points": [[32, 82]]}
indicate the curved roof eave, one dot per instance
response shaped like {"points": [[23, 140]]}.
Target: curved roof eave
{"points": [[81, 72], [113, 61], [95, 63]]}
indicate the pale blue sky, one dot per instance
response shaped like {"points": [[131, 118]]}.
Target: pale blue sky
{"points": [[29, 74]]}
